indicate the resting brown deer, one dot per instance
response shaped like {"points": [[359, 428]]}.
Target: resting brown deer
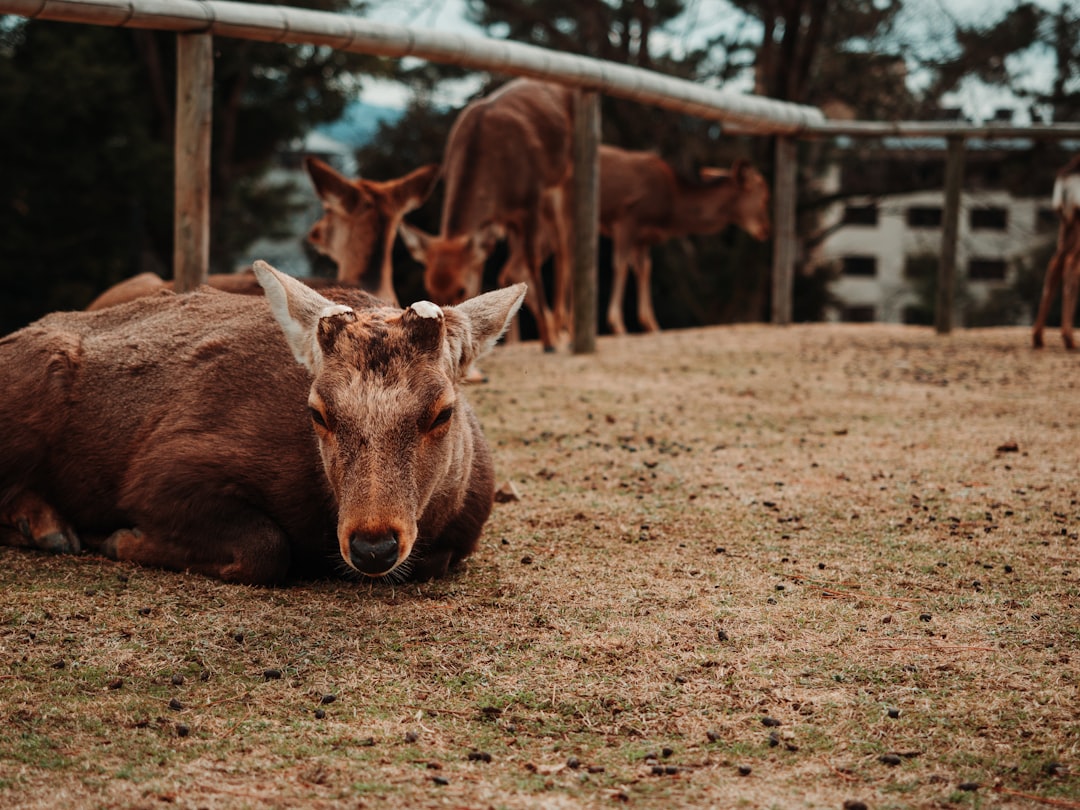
{"points": [[357, 230], [507, 156], [195, 433], [643, 203], [1064, 267]]}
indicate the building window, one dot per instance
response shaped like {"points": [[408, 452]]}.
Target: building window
{"points": [[990, 219], [860, 266], [921, 216], [861, 214], [986, 270], [858, 314], [919, 266]]}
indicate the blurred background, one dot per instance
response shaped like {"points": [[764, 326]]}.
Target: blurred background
{"points": [[86, 139]]}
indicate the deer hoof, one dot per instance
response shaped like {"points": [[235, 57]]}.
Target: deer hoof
{"points": [[111, 547], [549, 350], [59, 542]]}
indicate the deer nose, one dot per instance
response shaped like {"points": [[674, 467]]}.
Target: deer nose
{"points": [[373, 554]]}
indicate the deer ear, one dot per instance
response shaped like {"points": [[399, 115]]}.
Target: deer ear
{"points": [[412, 189], [331, 186], [415, 240], [299, 310], [479, 322]]}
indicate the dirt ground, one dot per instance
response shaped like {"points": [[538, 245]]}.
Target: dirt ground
{"points": [[830, 566]]}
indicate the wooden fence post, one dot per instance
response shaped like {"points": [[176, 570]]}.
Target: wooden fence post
{"points": [[783, 268], [586, 234], [946, 279], [194, 111]]}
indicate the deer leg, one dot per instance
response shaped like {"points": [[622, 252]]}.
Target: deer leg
{"points": [[1050, 285], [545, 320], [620, 259], [563, 269], [1071, 281], [643, 272], [27, 521], [234, 543]]}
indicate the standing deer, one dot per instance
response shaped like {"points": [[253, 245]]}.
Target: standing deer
{"points": [[1064, 267], [508, 156], [357, 230], [193, 433], [643, 203]]}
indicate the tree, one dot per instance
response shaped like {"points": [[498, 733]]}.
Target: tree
{"points": [[86, 130]]}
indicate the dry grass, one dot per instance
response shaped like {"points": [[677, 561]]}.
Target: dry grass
{"points": [[820, 525]]}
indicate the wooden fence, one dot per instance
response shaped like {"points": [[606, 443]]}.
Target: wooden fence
{"points": [[197, 21]]}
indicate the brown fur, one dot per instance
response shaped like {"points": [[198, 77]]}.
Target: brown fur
{"points": [[357, 230], [1064, 268], [176, 431], [507, 157], [644, 203]]}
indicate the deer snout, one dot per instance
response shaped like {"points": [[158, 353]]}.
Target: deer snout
{"points": [[760, 231], [449, 296], [373, 553]]}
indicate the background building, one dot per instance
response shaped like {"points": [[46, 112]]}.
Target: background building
{"points": [[883, 249]]}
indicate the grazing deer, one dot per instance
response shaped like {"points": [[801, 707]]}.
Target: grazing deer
{"points": [[193, 433], [507, 157], [357, 230], [1064, 267], [643, 203]]}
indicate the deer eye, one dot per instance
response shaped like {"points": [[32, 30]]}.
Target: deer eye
{"points": [[442, 418], [318, 418]]}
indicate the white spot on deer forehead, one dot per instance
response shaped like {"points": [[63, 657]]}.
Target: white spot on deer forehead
{"points": [[426, 309], [335, 309]]}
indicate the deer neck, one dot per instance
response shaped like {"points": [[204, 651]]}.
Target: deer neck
{"points": [[703, 208]]}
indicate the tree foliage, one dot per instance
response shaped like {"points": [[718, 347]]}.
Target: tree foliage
{"points": [[86, 141]]}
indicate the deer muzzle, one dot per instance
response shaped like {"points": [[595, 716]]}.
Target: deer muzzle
{"points": [[376, 552]]}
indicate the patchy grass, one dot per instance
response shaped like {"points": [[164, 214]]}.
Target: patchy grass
{"points": [[752, 567]]}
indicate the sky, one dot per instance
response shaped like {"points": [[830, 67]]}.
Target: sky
{"points": [[706, 18]]}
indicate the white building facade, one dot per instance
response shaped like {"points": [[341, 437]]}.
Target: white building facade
{"points": [[882, 247]]}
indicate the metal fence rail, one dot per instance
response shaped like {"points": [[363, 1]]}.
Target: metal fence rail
{"points": [[342, 32]]}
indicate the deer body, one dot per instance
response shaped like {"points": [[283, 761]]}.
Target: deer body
{"points": [[644, 203], [357, 230], [507, 157], [1064, 267], [195, 433]]}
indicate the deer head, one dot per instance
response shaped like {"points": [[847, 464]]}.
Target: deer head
{"points": [[453, 266], [395, 438], [360, 219]]}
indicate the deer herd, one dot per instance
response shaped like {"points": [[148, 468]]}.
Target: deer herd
{"points": [[261, 428]]}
